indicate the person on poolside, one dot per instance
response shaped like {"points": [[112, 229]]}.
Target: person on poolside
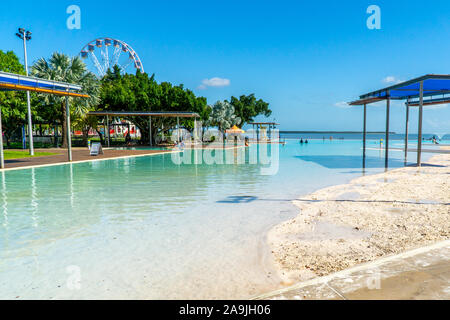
{"points": [[180, 145], [128, 139]]}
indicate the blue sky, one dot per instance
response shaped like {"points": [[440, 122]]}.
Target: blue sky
{"points": [[303, 57]]}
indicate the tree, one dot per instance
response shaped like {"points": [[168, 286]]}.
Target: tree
{"points": [[61, 67], [248, 107], [223, 116], [12, 103], [9, 62], [140, 92]]}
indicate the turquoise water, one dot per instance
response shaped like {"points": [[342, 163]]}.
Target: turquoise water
{"points": [[149, 227], [443, 138]]}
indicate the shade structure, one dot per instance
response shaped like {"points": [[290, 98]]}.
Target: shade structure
{"points": [[174, 114], [426, 90], [16, 82], [264, 123], [433, 85], [235, 130], [150, 114]]}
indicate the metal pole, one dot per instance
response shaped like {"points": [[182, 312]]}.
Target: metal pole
{"points": [[30, 125], [2, 156], [178, 129], [56, 136], [388, 105], [406, 128], [195, 130], [364, 132], [69, 136], [419, 139], [24, 138], [107, 128], [150, 129]]}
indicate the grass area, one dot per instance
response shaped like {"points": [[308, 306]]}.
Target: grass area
{"points": [[16, 154]]}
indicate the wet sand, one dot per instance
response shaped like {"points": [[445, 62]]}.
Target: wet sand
{"points": [[371, 217], [419, 274]]}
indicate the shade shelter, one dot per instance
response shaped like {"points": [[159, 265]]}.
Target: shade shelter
{"points": [[149, 114], [260, 125], [235, 130], [419, 92], [16, 82]]}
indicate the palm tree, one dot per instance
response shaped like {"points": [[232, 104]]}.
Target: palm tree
{"points": [[223, 116], [61, 67]]}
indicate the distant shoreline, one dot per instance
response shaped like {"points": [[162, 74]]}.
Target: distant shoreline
{"points": [[350, 132]]}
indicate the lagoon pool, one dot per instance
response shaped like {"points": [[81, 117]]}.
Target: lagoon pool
{"points": [[154, 228]]}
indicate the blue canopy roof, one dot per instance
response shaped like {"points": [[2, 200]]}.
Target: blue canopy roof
{"points": [[10, 81], [433, 85]]}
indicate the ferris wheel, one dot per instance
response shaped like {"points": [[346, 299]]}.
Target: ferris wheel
{"points": [[105, 53]]}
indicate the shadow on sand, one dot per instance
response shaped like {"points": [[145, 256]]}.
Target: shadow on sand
{"points": [[247, 199]]}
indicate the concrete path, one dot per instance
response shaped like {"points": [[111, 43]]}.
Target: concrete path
{"points": [[78, 155], [423, 273]]}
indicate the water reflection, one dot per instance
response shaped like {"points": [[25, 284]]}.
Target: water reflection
{"points": [[34, 199], [72, 193], [4, 201]]}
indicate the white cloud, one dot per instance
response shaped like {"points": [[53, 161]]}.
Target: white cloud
{"points": [[214, 82], [391, 80], [342, 104]]}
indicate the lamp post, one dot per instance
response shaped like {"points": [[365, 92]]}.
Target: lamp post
{"points": [[25, 36]]}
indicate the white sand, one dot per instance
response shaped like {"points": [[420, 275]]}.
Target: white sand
{"points": [[371, 217]]}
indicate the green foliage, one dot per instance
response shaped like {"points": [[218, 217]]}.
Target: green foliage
{"points": [[14, 112], [14, 154], [61, 67], [140, 92], [12, 103], [223, 116], [9, 62], [248, 107]]}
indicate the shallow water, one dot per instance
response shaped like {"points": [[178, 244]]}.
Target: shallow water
{"points": [[152, 228]]}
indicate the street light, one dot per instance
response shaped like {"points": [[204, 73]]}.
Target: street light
{"points": [[25, 36]]}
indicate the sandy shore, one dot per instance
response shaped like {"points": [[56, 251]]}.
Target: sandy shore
{"points": [[371, 217]]}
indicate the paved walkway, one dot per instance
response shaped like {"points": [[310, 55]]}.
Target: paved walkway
{"points": [[78, 154], [423, 273]]}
